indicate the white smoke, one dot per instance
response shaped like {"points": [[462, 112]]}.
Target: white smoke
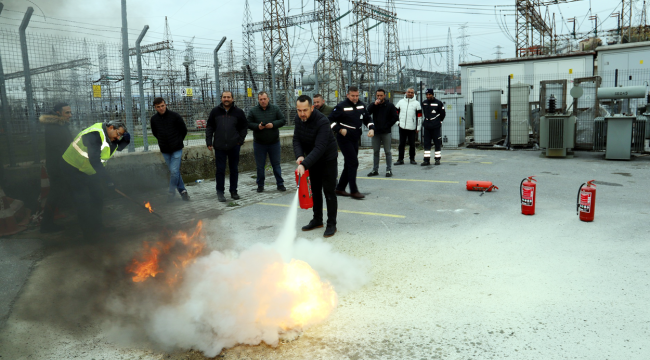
{"points": [[234, 298]]}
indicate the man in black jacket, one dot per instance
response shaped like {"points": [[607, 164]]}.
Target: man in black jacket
{"points": [[226, 131], [346, 119], [170, 130], [434, 114], [57, 140], [315, 149], [384, 116]]}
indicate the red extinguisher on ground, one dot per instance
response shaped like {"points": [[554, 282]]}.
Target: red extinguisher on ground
{"points": [[527, 190], [586, 201], [304, 190]]}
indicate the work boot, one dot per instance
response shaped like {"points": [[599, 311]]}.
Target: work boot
{"points": [[260, 189], [413, 162], [373, 173], [185, 196], [51, 228], [234, 195], [399, 162], [221, 197], [357, 195], [341, 193], [425, 162], [282, 188], [330, 230], [313, 224], [437, 161], [389, 173]]}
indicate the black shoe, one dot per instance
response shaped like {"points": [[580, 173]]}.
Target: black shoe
{"points": [[313, 224], [437, 161], [185, 196], [399, 162], [389, 173], [51, 228], [221, 197], [260, 188], [234, 196], [425, 163], [413, 162], [282, 188], [330, 230], [373, 173]]}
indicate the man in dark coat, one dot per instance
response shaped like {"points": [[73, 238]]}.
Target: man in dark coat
{"points": [[315, 148], [384, 116], [170, 130], [225, 132], [57, 140]]}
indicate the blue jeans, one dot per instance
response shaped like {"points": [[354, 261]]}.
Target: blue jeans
{"points": [[173, 161], [220, 157], [260, 160]]}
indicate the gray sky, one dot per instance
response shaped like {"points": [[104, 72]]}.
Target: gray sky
{"points": [[422, 23]]}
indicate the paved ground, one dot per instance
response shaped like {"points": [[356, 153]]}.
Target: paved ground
{"points": [[454, 275]]}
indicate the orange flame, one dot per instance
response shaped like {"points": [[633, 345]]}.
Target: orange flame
{"points": [[148, 206], [174, 254]]}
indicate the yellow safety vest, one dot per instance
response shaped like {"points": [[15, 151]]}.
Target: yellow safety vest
{"points": [[77, 153]]}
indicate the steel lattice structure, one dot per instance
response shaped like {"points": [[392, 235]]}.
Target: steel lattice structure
{"points": [[273, 38], [248, 39], [393, 62], [329, 37]]}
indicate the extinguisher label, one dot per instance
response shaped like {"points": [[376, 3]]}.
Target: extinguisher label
{"points": [[527, 196], [585, 202], [309, 186]]}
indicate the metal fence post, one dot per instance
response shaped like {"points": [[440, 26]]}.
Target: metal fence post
{"points": [[128, 101], [275, 53], [217, 82], [377, 76], [28, 82], [143, 109], [6, 121], [316, 73]]}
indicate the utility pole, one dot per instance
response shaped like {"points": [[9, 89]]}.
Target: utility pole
{"points": [[499, 53], [462, 57], [128, 101]]}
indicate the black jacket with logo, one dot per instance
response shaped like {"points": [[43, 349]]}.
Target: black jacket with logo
{"points": [[170, 130], [434, 113], [226, 129], [313, 139], [384, 116], [347, 115]]}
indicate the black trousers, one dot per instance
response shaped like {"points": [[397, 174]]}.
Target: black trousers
{"points": [[323, 181], [55, 196], [405, 135], [88, 197], [435, 135], [349, 145]]}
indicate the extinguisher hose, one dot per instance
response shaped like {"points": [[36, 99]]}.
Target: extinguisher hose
{"points": [[578, 200], [521, 189]]}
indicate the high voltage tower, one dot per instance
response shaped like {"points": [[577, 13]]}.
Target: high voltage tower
{"points": [[329, 32], [248, 40], [273, 39], [462, 56], [499, 52], [393, 63], [451, 69]]}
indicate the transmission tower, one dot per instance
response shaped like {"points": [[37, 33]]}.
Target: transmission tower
{"points": [[393, 62], [361, 52], [462, 57], [248, 40], [329, 33], [533, 31], [451, 69], [169, 53], [499, 53], [274, 38], [626, 21], [230, 65]]}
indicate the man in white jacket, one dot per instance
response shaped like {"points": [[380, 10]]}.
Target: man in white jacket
{"points": [[410, 121]]}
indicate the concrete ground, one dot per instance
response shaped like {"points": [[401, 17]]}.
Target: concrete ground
{"points": [[454, 275]]}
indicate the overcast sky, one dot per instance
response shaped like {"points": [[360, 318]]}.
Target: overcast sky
{"points": [[422, 23]]}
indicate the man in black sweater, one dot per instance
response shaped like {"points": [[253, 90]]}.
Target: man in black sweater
{"points": [[226, 131], [384, 116], [170, 130], [315, 149], [57, 140]]}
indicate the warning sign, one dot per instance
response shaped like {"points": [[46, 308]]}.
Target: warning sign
{"points": [[187, 92], [97, 91], [249, 92]]}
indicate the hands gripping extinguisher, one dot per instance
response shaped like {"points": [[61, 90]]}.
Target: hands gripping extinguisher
{"points": [[586, 201], [304, 190], [527, 190]]}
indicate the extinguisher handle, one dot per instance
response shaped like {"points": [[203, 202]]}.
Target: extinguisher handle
{"points": [[578, 200]]}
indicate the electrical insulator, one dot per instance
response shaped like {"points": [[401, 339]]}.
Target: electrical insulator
{"points": [[551, 104]]}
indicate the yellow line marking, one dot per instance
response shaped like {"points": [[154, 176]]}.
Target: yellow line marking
{"points": [[486, 162], [413, 180], [345, 211]]}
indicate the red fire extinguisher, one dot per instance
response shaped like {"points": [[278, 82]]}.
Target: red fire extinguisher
{"points": [[477, 185], [304, 190], [586, 201], [527, 190]]}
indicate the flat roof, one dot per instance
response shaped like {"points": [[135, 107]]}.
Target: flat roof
{"points": [[623, 46], [530, 58]]}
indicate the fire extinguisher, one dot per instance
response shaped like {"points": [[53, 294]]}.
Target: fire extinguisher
{"points": [[304, 190], [477, 185], [586, 203], [527, 190]]}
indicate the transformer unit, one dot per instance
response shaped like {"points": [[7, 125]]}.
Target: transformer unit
{"points": [[557, 126], [519, 113], [620, 136], [453, 127], [487, 116]]}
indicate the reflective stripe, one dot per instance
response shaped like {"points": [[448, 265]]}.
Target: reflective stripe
{"points": [[371, 124], [348, 109], [360, 107], [333, 125], [437, 153], [76, 147], [348, 126], [427, 153]]}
